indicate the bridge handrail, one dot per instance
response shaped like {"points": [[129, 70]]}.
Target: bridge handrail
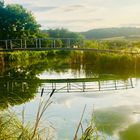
{"points": [[50, 38]]}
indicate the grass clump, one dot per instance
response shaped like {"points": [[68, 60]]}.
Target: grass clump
{"points": [[91, 132], [13, 128]]}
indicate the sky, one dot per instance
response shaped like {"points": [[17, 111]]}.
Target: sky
{"points": [[83, 15]]}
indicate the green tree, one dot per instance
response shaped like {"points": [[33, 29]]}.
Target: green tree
{"points": [[63, 35], [17, 22]]}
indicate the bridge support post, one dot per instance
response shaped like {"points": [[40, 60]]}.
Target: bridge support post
{"points": [[99, 84], [53, 85], [25, 43], [6, 44], [36, 43], [67, 87], [39, 43], [70, 86], [131, 83], [125, 84], [51, 43], [68, 43], [84, 86], [115, 85], [11, 44], [54, 43], [21, 43]]}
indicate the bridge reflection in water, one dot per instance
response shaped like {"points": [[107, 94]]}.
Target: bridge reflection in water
{"points": [[87, 85], [69, 85]]}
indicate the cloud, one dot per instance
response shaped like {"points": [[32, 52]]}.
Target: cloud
{"points": [[81, 15], [131, 132], [131, 25], [43, 8], [70, 21], [72, 8], [76, 25], [113, 119]]}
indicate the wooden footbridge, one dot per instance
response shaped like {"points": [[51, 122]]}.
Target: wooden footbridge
{"points": [[69, 85], [47, 44], [40, 44]]}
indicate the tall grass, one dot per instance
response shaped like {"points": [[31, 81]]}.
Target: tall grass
{"points": [[91, 132], [12, 128], [24, 55]]}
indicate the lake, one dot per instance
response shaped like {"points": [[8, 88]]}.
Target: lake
{"points": [[107, 84]]}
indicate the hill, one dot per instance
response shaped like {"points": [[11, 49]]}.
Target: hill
{"points": [[110, 33]]}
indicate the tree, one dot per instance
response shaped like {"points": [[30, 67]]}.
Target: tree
{"points": [[17, 22], [63, 34]]}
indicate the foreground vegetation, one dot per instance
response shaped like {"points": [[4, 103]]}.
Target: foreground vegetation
{"points": [[13, 128]]}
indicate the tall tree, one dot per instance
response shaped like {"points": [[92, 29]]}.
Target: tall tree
{"points": [[17, 22]]}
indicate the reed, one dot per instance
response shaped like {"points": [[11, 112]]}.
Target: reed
{"points": [[12, 128], [91, 132]]}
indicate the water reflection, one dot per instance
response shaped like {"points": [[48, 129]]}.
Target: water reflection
{"points": [[119, 121], [93, 72], [15, 92], [131, 133], [80, 72], [102, 83]]}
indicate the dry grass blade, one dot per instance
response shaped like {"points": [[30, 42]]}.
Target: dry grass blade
{"points": [[42, 91], [75, 137], [41, 110]]}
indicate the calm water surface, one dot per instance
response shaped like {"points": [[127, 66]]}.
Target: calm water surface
{"points": [[114, 95]]}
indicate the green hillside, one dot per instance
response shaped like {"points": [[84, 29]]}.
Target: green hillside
{"points": [[113, 33]]}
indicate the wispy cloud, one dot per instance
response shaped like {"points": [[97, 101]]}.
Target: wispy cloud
{"points": [[42, 8], [72, 8], [71, 21], [131, 25], [83, 14]]}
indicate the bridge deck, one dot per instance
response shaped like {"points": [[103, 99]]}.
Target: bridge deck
{"points": [[69, 49], [69, 80]]}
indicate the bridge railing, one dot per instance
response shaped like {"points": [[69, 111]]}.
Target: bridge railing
{"points": [[71, 85], [40, 43]]}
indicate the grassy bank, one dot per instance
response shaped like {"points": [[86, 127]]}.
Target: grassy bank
{"points": [[13, 128], [24, 55], [106, 63], [90, 62]]}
